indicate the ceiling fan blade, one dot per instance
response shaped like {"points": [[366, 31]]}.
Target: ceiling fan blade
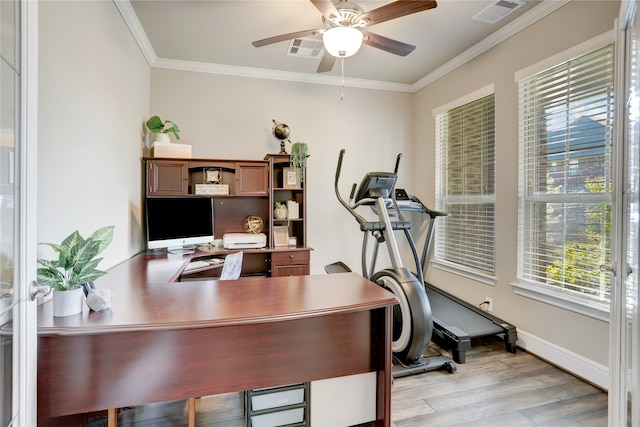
{"points": [[326, 63], [395, 10], [289, 36], [327, 8], [387, 44]]}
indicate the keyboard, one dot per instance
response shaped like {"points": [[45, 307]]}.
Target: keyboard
{"points": [[193, 265]]}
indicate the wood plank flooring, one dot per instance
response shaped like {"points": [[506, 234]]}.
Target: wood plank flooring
{"points": [[493, 388]]}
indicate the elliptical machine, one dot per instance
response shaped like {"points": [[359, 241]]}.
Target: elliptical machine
{"points": [[412, 319]]}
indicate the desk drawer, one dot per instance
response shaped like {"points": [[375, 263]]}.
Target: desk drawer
{"points": [[292, 257], [290, 263]]}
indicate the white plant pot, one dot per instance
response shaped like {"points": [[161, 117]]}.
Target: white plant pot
{"points": [[162, 137], [280, 213], [68, 303]]}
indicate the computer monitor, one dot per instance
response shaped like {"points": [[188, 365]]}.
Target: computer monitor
{"points": [[179, 223]]}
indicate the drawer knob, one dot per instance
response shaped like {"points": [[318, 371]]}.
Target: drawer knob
{"points": [[290, 256]]}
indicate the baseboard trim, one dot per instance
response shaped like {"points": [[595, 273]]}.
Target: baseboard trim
{"points": [[578, 365]]}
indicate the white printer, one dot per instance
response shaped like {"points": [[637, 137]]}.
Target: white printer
{"points": [[244, 240]]}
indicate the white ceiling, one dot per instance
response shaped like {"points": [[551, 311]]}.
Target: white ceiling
{"points": [[216, 35]]}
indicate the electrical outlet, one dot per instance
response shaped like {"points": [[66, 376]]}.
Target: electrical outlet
{"points": [[489, 304]]}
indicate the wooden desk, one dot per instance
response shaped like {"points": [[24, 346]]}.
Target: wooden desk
{"points": [[168, 341]]}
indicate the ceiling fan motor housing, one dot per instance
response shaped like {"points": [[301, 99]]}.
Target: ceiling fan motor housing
{"points": [[349, 13]]}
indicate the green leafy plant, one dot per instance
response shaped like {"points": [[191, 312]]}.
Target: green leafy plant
{"points": [[155, 124], [77, 262], [299, 151], [280, 205]]}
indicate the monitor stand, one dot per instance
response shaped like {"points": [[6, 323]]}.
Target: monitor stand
{"points": [[178, 250]]}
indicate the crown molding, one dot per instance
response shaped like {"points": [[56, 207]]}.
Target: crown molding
{"points": [[519, 24], [260, 73], [514, 27], [132, 21]]}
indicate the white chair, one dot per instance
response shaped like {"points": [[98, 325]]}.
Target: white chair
{"points": [[231, 270]]}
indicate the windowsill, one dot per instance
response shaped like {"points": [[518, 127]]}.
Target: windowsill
{"points": [[575, 304], [469, 274]]}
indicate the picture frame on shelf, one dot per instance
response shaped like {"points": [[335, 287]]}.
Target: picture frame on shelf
{"points": [[280, 235], [290, 178], [212, 176]]}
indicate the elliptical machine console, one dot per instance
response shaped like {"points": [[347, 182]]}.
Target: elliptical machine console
{"points": [[412, 319]]}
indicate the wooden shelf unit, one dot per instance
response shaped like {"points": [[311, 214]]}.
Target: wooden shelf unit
{"points": [[253, 188]]}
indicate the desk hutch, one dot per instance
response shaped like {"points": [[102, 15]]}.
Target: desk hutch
{"points": [[254, 187]]}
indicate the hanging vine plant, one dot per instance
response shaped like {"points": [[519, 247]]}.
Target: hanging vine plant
{"points": [[299, 151]]}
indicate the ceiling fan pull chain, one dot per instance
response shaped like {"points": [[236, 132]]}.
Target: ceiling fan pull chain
{"points": [[342, 66]]}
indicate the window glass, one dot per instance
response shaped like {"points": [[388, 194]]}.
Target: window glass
{"points": [[565, 175], [465, 185]]}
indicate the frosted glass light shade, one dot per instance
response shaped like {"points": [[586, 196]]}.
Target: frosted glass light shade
{"points": [[342, 42]]}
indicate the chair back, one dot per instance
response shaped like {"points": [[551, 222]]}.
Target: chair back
{"points": [[232, 267]]}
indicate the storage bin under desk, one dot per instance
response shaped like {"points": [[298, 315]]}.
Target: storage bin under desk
{"points": [[278, 406]]}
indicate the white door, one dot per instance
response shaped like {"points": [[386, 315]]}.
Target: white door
{"points": [[623, 355], [18, 126]]}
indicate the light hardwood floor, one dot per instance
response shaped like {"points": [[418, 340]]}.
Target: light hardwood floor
{"points": [[493, 388]]}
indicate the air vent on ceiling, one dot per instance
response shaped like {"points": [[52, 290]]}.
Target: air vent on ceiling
{"points": [[499, 10], [305, 47]]}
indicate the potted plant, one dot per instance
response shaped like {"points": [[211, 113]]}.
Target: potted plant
{"points": [[298, 159], [280, 211], [75, 266], [162, 129]]}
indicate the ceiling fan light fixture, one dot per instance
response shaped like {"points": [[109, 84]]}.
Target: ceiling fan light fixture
{"points": [[342, 42]]}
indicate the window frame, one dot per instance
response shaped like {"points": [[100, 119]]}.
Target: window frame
{"points": [[442, 166], [588, 306]]}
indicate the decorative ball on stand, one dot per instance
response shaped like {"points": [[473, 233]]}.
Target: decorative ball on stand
{"points": [[281, 132], [253, 224]]}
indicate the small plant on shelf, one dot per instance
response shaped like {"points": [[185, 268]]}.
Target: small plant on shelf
{"points": [[280, 211], [299, 151], [156, 125]]}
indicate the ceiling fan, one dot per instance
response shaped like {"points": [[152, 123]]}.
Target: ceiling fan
{"points": [[344, 20]]}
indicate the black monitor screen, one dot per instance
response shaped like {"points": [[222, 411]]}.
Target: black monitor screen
{"points": [[179, 221]]}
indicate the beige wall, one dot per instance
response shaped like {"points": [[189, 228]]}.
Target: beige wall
{"points": [[230, 117], [568, 26], [93, 100]]}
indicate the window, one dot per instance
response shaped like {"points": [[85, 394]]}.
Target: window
{"points": [[565, 177], [465, 184]]}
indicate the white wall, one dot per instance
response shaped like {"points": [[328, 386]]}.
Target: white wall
{"points": [[568, 26], [230, 117], [93, 101]]}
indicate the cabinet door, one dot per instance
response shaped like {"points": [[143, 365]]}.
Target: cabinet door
{"points": [[294, 263], [167, 178], [252, 179]]}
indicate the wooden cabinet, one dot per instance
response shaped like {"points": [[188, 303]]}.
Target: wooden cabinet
{"points": [[251, 189], [167, 178], [290, 263], [252, 179]]}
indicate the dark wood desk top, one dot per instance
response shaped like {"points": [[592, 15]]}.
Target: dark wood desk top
{"points": [[144, 299]]}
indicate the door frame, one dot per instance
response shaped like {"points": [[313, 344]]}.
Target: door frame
{"points": [[25, 358]]}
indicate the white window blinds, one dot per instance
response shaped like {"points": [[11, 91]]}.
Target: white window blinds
{"points": [[565, 176], [465, 185]]}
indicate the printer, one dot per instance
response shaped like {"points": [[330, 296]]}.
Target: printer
{"points": [[244, 240]]}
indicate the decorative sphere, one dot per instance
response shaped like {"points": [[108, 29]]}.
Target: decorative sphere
{"points": [[281, 131], [253, 224]]}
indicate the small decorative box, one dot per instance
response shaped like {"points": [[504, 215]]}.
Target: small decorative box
{"points": [[212, 189]]}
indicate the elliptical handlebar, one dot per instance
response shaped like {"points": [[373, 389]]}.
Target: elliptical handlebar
{"points": [[351, 210], [397, 163]]}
